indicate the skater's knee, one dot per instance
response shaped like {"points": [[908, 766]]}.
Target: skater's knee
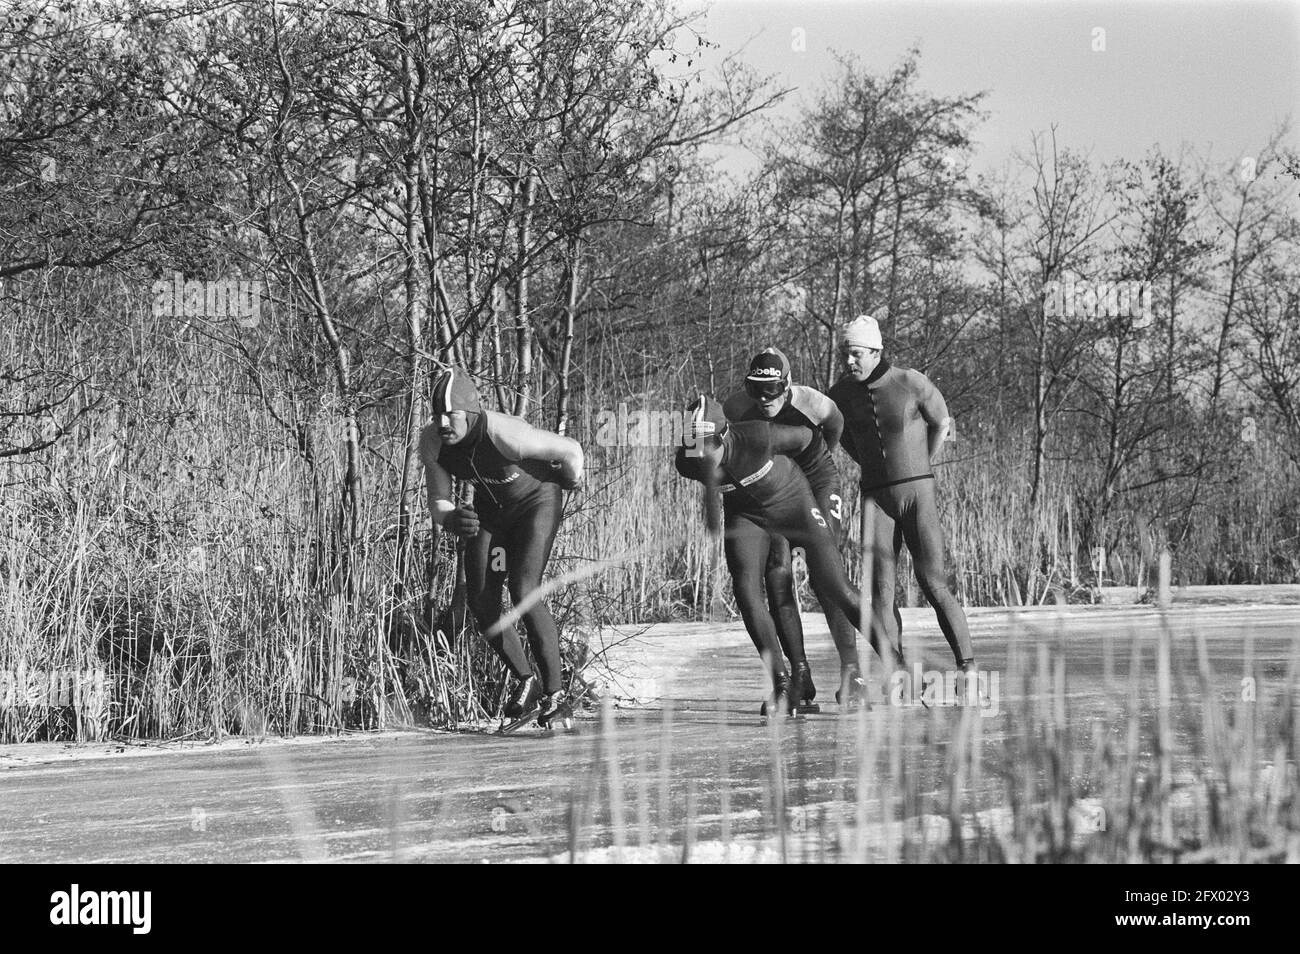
{"points": [[780, 596], [538, 619], [522, 585], [934, 584], [780, 578]]}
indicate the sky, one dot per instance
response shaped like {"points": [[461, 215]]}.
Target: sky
{"points": [[1216, 76]]}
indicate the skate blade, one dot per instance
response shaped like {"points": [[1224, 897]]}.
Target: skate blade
{"points": [[568, 726], [567, 722], [808, 708], [510, 728]]}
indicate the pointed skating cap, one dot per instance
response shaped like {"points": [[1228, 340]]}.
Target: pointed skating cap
{"points": [[454, 391]]}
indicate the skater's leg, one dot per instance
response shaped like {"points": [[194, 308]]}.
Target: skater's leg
{"points": [[778, 577], [485, 580], [746, 549], [802, 524], [885, 618], [924, 536], [528, 549], [784, 604], [896, 544], [843, 633], [831, 584]]}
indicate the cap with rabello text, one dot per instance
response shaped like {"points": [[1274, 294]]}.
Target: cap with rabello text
{"points": [[769, 365]]}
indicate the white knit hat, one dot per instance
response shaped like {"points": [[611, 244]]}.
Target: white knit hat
{"points": [[863, 332]]}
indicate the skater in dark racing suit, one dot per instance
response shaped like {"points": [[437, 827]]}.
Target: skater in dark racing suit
{"points": [[518, 473], [769, 395], [895, 422], [764, 493]]}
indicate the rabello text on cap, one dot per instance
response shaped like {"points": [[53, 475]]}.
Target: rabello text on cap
{"points": [[769, 365]]}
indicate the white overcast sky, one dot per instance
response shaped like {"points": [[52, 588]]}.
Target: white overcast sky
{"points": [[1218, 76]]}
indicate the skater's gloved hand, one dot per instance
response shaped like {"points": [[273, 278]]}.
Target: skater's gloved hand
{"points": [[462, 521]]}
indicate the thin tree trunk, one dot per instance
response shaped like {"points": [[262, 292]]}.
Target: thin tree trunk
{"points": [[523, 320], [566, 352], [835, 299], [414, 298], [1040, 411], [1225, 326], [891, 315], [498, 365]]}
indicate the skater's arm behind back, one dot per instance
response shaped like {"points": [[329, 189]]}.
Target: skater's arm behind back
{"points": [[934, 410]]}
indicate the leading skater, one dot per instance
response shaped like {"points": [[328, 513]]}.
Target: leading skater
{"points": [[518, 472]]}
